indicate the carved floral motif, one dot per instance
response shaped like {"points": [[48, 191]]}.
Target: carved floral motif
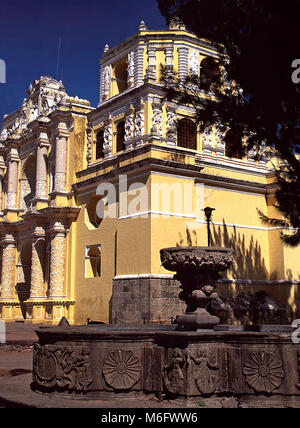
{"points": [[121, 369], [263, 371]]}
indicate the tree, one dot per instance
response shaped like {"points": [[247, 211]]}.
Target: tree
{"points": [[258, 49]]}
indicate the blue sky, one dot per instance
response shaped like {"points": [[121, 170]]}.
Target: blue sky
{"points": [[30, 31]]}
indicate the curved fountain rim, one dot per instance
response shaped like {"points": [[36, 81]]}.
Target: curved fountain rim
{"points": [[209, 249]]}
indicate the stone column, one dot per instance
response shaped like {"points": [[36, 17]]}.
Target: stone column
{"points": [[139, 64], [12, 184], [41, 169], [57, 260], [8, 267], [37, 289], [2, 170], [60, 164], [183, 63]]}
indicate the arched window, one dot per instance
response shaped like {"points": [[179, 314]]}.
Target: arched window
{"points": [[187, 134], [121, 137], [92, 211], [93, 262], [28, 183], [100, 145], [233, 141], [208, 73]]}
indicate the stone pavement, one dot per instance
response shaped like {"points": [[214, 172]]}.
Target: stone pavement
{"points": [[16, 352]]}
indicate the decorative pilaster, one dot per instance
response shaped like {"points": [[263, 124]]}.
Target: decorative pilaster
{"points": [[151, 70], [171, 124], [194, 62], [139, 64], [89, 150], [8, 267], [220, 134], [37, 289], [157, 119], [139, 124], [106, 82], [183, 63], [12, 185], [57, 260], [129, 129], [170, 61], [2, 171], [41, 167], [60, 164], [108, 135], [130, 69], [207, 141]]}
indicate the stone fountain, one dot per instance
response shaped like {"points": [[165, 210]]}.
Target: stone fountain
{"points": [[164, 366], [198, 269]]}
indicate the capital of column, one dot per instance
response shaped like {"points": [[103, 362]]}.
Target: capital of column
{"points": [[58, 228], [38, 233]]}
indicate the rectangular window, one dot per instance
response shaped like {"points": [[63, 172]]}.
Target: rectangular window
{"points": [[93, 261]]}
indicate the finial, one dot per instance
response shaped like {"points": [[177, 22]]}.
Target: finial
{"points": [[106, 49], [142, 26]]}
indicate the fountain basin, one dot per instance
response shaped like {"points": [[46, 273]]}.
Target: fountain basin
{"points": [[197, 258], [198, 270], [75, 366]]}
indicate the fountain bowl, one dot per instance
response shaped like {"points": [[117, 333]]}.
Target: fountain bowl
{"points": [[196, 258]]}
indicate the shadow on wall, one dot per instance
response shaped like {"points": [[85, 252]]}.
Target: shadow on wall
{"points": [[249, 262]]}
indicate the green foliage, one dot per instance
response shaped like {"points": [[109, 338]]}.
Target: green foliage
{"points": [[257, 44]]}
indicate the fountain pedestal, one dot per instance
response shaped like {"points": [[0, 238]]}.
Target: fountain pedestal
{"points": [[198, 270]]}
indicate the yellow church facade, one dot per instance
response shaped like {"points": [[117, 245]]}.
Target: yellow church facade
{"points": [[89, 196]]}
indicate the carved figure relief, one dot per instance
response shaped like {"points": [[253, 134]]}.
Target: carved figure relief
{"points": [[205, 381], [121, 369], [139, 123], [175, 380], [157, 120], [263, 371], [64, 368]]}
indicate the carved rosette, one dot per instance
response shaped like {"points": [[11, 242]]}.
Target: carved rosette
{"points": [[121, 369], [263, 372], [61, 368]]}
